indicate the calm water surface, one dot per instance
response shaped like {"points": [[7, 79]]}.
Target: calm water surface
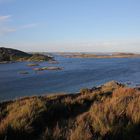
{"points": [[78, 73]]}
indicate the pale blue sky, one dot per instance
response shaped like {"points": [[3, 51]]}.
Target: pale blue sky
{"points": [[70, 25]]}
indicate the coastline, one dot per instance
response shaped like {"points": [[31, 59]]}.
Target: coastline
{"points": [[100, 55], [110, 83]]}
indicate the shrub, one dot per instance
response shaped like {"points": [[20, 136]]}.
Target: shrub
{"points": [[21, 115], [85, 91]]}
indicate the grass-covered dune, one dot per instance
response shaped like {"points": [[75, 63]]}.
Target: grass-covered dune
{"points": [[109, 112]]}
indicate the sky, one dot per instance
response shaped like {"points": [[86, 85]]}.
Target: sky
{"points": [[70, 25]]}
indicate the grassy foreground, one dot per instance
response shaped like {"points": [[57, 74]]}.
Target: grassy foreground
{"points": [[110, 112]]}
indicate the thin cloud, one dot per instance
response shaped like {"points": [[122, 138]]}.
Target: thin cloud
{"points": [[5, 18], [26, 26], [6, 30], [5, 1]]}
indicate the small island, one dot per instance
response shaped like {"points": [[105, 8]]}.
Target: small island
{"points": [[8, 55], [47, 68]]}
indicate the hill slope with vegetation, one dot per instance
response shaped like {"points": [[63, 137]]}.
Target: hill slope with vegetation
{"points": [[8, 54], [109, 112]]}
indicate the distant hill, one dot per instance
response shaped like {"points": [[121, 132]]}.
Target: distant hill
{"points": [[101, 55], [9, 54]]}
